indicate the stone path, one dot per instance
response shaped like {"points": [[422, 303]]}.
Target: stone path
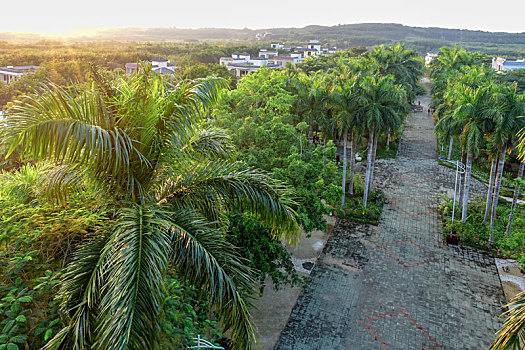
{"points": [[397, 285]]}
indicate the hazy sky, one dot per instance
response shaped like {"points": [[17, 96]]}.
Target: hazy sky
{"points": [[52, 16]]}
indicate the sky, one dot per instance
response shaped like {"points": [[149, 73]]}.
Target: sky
{"points": [[59, 17]]}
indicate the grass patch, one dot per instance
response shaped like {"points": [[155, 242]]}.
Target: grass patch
{"points": [[354, 210]]}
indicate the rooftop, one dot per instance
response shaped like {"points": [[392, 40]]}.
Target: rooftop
{"points": [[18, 69], [159, 59], [163, 70]]}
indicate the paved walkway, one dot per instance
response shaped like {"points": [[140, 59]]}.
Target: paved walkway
{"points": [[397, 285]]}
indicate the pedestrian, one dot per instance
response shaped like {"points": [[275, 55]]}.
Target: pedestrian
{"points": [[419, 103]]}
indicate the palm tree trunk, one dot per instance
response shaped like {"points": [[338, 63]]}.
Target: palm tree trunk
{"points": [[352, 163], [374, 150], [468, 172], [490, 191], [368, 166], [324, 154], [462, 180], [311, 134], [499, 178], [388, 139], [515, 200], [345, 162], [450, 147]]}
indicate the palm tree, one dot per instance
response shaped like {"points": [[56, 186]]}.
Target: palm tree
{"points": [[476, 115], [312, 102], [512, 106], [171, 184], [343, 98], [380, 105], [512, 336], [404, 64]]}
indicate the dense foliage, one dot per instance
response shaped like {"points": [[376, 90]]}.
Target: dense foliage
{"points": [[159, 204]]}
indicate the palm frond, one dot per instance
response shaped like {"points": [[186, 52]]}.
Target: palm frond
{"points": [[203, 257], [230, 185], [80, 296], [512, 336], [61, 126], [136, 258], [210, 143]]}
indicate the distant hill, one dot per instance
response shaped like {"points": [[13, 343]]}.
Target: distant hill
{"points": [[347, 35]]}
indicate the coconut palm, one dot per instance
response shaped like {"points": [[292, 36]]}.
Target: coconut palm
{"points": [[512, 336], [171, 184], [380, 105]]}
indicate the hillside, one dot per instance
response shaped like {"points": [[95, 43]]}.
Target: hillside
{"points": [[347, 35]]}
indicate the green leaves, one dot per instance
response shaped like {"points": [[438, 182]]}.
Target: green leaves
{"points": [[141, 147]]}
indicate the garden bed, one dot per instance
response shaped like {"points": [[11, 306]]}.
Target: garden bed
{"points": [[354, 210], [476, 233]]}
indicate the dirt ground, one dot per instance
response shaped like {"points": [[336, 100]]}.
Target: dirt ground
{"points": [[274, 307], [511, 288]]}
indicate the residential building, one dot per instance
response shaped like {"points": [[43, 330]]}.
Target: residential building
{"points": [[307, 52], [276, 45], [241, 63], [264, 52], [12, 73], [429, 57], [160, 65], [314, 44], [502, 64], [282, 61]]}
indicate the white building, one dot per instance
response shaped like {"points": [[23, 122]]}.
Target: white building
{"points": [[12, 73], [314, 44], [240, 63], [158, 64], [276, 45], [429, 57], [502, 64], [264, 52]]}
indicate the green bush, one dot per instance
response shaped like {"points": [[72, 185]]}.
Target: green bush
{"points": [[359, 185], [354, 210], [476, 233]]}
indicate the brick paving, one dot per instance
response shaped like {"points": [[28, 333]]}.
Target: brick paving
{"points": [[398, 285]]}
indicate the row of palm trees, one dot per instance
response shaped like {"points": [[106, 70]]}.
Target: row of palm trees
{"points": [[482, 115], [359, 100]]}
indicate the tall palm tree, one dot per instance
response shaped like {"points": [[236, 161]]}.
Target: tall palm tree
{"points": [[343, 98], [476, 114], [380, 104], [171, 184], [512, 106]]}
